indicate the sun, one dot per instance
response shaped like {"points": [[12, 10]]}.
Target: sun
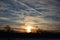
{"points": [[28, 28]]}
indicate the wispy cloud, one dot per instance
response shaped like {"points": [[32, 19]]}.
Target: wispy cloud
{"points": [[41, 13]]}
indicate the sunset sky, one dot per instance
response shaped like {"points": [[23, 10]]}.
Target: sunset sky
{"points": [[44, 14]]}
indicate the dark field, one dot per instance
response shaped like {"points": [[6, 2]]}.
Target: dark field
{"points": [[28, 36], [43, 34]]}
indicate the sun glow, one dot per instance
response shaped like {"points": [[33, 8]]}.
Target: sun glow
{"points": [[28, 28]]}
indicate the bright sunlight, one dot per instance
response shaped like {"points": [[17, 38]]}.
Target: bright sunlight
{"points": [[28, 28]]}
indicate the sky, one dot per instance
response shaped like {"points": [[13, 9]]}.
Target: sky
{"points": [[44, 14]]}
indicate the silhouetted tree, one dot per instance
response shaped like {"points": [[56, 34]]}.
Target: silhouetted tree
{"points": [[39, 31], [8, 28]]}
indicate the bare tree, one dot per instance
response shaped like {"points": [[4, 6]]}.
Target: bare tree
{"points": [[8, 28]]}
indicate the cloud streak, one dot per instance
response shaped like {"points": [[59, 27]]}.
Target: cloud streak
{"points": [[41, 13]]}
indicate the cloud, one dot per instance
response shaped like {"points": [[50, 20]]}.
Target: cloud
{"points": [[41, 13], [44, 5]]}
